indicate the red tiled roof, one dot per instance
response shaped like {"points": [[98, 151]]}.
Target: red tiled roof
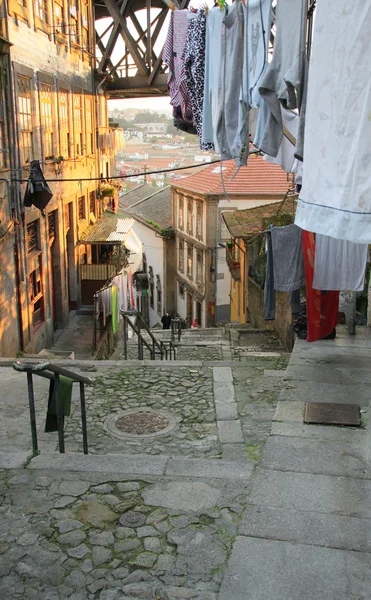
{"points": [[258, 177]]}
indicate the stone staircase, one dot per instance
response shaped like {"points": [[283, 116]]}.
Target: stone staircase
{"points": [[231, 343]]}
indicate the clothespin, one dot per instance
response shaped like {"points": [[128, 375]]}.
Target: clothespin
{"points": [[221, 4], [172, 6], [205, 8]]}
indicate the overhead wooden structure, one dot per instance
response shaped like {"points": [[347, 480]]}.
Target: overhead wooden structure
{"points": [[129, 40]]}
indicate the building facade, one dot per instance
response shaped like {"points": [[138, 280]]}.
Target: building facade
{"points": [[198, 202], [54, 113], [151, 211]]}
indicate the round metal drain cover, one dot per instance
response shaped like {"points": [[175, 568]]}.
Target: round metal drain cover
{"points": [[142, 422], [132, 519]]}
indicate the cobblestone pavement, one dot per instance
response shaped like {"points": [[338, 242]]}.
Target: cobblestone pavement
{"points": [[187, 395], [60, 536]]}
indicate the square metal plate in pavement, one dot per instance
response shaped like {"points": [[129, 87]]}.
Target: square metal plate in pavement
{"points": [[327, 413]]}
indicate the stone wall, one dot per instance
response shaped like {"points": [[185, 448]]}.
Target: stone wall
{"points": [[255, 308]]}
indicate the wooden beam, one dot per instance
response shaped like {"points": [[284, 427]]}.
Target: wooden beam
{"points": [[116, 15], [106, 58]]}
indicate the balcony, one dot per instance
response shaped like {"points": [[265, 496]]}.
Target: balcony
{"points": [[233, 265]]}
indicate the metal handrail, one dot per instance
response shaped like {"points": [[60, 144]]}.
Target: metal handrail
{"points": [[143, 325], [178, 322], [53, 373], [141, 340]]}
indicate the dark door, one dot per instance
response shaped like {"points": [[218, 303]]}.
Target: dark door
{"points": [[189, 309]]}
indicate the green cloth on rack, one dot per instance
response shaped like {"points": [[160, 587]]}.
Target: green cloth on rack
{"points": [[114, 309], [65, 395]]}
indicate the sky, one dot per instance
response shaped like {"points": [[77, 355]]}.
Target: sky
{"points": [[154, 104]]}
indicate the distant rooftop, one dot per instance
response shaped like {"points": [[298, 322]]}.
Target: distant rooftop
{"points": [[149, 204], [257, 178]]}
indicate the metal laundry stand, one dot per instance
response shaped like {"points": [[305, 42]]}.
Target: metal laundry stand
{"points": [[53, 373]]}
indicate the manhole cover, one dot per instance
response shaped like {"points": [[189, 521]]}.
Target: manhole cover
{"points": [[326, 413], [142, 422], [132, 519]]}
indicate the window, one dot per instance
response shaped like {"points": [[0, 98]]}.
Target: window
{"points": [[199, 278], [92, 202], [46, 94], [33, 237], [181, 290], [42, 10], [85, 24], [3, 140], [190, 262], [181, 256], [60, 16], [74, 21], [181, 212], [36, 295], [52, 224], [81, 205], [77, 118], [64, 124], [88, 124], [25, 119], [190, 217], [199, 221]]}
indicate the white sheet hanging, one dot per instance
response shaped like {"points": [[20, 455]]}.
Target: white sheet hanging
{"points": [[336, 196], [339, 265]]}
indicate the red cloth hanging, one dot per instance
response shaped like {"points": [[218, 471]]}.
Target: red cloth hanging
{"points": [[322, 307]]}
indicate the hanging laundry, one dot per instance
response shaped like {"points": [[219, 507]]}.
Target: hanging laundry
{"points": [[115, 309], [173, 57], [232, 130], [194, 66], [322, 307], [269, 293], [257, 27], [213, 47], [286, 154], [37, 192], [288, 262], [339, 265], [336, 196], [284, 79]]}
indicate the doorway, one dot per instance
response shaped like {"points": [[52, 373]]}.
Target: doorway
{"points": [[199, 313], [189, 309]]}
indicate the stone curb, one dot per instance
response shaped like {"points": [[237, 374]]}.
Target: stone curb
{"points": [[131, 465]]}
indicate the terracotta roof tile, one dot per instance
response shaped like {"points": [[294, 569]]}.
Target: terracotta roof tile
{"points": [[250, 221], [258, 177]]}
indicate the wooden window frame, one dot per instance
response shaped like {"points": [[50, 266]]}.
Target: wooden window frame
{"points": [[199, 267], [189, 217], [81, 202], [43, 23], [190, 264], [78, 134], [47, 132], [20, 9], [199, 220], [89, 136], [29, 131], [181, 212], [181, 256], [92, 207], [65, 144]]}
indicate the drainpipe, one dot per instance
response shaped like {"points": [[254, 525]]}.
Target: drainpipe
{"points": [[97, 120]]}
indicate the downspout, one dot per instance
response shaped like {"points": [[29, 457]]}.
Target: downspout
{"points": [[16, 194]]}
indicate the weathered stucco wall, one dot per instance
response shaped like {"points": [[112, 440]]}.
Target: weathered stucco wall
{"points": [[282, 323]]}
